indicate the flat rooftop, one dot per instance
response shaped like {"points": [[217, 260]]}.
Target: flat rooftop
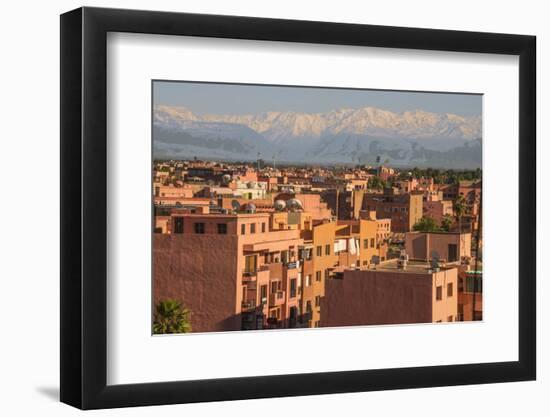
{"points": [[413, 267]]}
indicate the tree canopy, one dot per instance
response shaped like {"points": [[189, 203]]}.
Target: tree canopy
{"points": [[427, 224], [171, 317]]}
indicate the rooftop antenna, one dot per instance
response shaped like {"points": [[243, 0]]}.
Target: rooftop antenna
{"points": [[258, 161], [275, 156], [434, 261]]}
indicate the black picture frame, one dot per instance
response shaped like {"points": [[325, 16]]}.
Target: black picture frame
{"points": [[84, 207]]}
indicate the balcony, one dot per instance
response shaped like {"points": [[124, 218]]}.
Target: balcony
{"points": [[276, 298], [252, 275], [249, 276], [248, 305], [293, 265]]}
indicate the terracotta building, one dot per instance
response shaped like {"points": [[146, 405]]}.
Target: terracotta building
{"points": [[449, 246], [232, 271], [470, 294], [437, 208], [390, 295], [404, 210]]}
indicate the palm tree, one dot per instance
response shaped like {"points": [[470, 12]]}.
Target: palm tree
{"points": [[459, 207], [171, 317]]}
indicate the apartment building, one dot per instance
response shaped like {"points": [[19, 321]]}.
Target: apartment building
{"points": [[449, 246], [383, 226], [391, 294], [231, 270], [436, 208], [470, 294], [345, 205], [404, 210]]}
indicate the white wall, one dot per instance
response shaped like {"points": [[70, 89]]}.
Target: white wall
{"points": [[29, 259]]}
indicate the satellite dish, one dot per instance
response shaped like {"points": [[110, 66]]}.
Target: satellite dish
{"points": [[235, 205], [294, 204], [226, 178], [250, 208], [279, 205]]}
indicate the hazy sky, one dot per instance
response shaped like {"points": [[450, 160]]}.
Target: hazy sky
{"points": [[217, 98]]}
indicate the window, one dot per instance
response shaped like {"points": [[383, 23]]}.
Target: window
{"points": [[276, 286], [365, 263], [319, 251], [308, 280], [285, 257], [317, 300], [263, 227], [243, 229], [222, 228], [318, 276], [308, 306], [250, 263], [327, 272], [263, 294], [327, 249], [439, 292], [450, 289], [293, 288], [372, 243], [199, 228], [178, 225], [317, 323], [253, 228], [365, 244]]}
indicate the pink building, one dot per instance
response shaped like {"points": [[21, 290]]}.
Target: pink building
{"points": [[232, 271], [436, 208], [390, 294], [449, 246]]}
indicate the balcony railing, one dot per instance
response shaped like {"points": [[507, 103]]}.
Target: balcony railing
{"points": [[277, 298]]}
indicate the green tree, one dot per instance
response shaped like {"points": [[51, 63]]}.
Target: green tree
{"points": [[459, 207], [426, 224], [376, 183], [446, 222], [171, 317]]}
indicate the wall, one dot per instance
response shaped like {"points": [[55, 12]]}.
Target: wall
{"points": [[30, 36], [377, 297], [181, 262]]}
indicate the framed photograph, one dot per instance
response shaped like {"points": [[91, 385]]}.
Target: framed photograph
{"points": [[259, 208]]}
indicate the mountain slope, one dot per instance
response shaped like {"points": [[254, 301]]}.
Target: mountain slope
{"points": [[345, 135]]}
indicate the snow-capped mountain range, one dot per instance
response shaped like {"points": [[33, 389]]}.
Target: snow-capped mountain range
{"points": [[341, 136]]}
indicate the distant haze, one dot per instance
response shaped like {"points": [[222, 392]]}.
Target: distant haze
{"points": [[316, 125]]}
